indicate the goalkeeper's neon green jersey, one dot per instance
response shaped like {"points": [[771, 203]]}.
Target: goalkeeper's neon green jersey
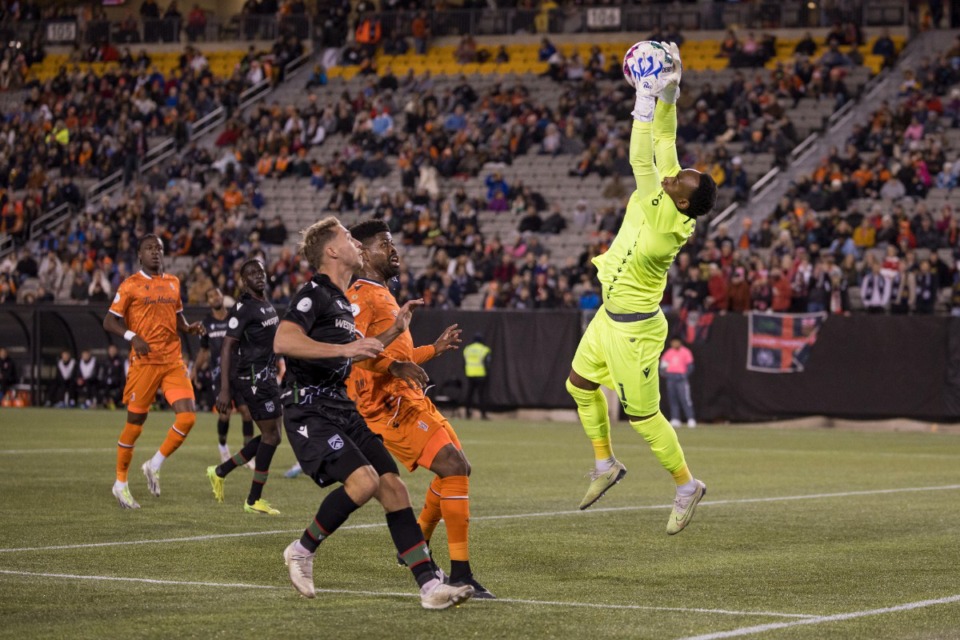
{"points": [[633, 271]]}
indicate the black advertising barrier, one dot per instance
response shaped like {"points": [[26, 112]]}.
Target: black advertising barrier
{"points": [[861, 367], [531, 353]]}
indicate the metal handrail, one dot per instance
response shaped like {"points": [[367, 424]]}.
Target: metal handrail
{"points": [[49, 219], [6, 245], [208, 122], [254, 93], [723, 215]]}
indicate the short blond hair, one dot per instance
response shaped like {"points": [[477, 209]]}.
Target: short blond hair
{"points": [[315, 238]]}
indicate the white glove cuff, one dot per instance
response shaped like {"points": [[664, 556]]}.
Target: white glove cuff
{"points": [[670, 93], [643, 109]]}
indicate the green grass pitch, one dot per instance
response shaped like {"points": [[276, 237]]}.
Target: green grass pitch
{"points": [[803, 534]]}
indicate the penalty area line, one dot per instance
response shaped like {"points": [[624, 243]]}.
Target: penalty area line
{"points": [[393, 594], [513, 516], [839, 617]]}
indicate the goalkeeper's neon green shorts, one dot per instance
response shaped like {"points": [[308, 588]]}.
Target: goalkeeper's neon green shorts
{"points": [[625, 357]]}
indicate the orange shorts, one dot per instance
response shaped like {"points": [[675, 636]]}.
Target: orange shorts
{"points": [[416, 435], [143, 380]]}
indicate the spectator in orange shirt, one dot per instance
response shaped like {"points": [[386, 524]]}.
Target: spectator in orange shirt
{"points": [[232, 197]]}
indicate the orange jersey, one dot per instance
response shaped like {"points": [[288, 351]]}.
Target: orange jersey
{"points": [[149, 306], [375, 391]]}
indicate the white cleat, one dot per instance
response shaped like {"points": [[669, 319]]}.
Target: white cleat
{"points": [[125, 498], [224, 455], [684, 508], [153, 478], [675, 423], [301, 570], [691, 424], [442, 596]]}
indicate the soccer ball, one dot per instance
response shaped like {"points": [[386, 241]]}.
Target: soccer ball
{"points": [[645, 62]]}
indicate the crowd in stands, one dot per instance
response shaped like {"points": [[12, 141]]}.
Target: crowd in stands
{"points": [[860, 221], [207, 203]]}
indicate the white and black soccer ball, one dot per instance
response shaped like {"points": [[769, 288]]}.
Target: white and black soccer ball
{"points": [[646, 61]]}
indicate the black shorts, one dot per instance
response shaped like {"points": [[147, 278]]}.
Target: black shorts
{"points": [[331, 442], [235, 397], [264, 403]]}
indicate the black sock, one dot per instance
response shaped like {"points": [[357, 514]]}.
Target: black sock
{"points": [[262, 469], [460, 570], [408, 538], [247, 429], [243, 456], [333, 512], [223, 425]]}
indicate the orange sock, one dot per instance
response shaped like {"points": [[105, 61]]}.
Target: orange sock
{"points": [[177, 433], [430, 515], [455, 507], [125, 444]]}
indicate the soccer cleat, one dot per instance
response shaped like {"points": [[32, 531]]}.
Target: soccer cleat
{"points": [[125, 498], [683, 509], [601, 482], [301, 570], [252, 464], [153, 478], [293, 471], [675, 423], [216, 483], [260, 506], [479, 591], [443, 595], [224, 455], [691, 424]]}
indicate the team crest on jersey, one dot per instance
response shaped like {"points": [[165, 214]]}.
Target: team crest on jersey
{"points": [[336, 443], [355, 308], [234, 323], [269, 406], [304, 305]]}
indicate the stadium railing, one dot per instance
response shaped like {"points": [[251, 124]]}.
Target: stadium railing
{"points": [[761, 15]]}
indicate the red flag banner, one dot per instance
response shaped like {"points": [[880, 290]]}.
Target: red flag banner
{"points": [[781, 342]]}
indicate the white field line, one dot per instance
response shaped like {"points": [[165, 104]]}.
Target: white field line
{"points": [[393, 594], [840, 617], [514, 516]]}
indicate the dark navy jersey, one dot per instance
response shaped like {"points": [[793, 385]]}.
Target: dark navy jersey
{"points": [[322, 311], [253, 323], [213, 338]]}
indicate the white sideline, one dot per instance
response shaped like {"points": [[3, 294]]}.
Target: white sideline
{"points": [[550, 603], [746, 631], [540, 514]]}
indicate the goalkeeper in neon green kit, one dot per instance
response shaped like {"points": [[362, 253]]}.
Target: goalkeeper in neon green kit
{"points": [[621, 347]]}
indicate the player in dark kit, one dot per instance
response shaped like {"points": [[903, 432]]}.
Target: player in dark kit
{"points": [[250, 331], [329, 437], [211, 345]]}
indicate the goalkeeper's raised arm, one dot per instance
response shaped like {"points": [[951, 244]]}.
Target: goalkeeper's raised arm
{"points": [[655, 69]]}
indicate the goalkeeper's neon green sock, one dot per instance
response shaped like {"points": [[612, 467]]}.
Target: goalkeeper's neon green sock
{"points": [[662, 438], [595, 418]]}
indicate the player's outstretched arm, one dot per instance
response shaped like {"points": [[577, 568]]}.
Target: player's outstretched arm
{"points": [[641, 146], [665, 118], [190, 328]]}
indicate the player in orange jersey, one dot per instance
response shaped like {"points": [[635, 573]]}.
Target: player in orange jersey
{"points": [[147, 313], [389, 393]]}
